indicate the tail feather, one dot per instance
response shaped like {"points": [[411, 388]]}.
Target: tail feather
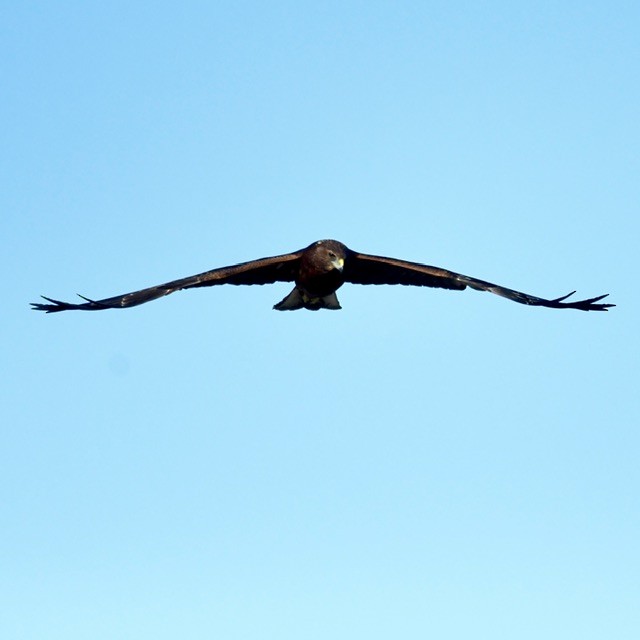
{"points": [[300, 300]]}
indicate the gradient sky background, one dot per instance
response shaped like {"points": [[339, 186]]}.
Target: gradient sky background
{"points": [[420, 464]]}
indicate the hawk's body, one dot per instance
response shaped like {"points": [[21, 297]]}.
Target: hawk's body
{"points": [[319, 271]]}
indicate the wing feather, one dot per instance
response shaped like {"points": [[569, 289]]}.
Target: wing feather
{"points": [[262, 271], [361, 268], [369, 269]]}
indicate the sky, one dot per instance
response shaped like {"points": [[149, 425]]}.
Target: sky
{"points": [[422, 463]]}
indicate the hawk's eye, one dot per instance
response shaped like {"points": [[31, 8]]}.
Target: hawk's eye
{"points": [[331, 254]]}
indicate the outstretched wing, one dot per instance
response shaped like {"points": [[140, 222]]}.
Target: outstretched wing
{"points": [[263, 271], [361, 268]]}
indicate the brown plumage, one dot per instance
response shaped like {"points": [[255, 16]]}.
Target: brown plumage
{"points": [[318, 271]]}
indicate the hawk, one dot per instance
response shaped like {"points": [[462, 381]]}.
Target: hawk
{"points": [[318, 271]]}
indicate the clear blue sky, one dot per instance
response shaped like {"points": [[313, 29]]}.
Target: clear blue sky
{"points": [[421, 464]]}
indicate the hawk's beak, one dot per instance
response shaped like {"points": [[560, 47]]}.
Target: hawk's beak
{"points": [[338, 263]]}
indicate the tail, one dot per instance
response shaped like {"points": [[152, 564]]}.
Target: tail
{"points": [[299, 300]]}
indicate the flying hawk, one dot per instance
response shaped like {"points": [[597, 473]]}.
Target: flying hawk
{"points": [[318, 271]]}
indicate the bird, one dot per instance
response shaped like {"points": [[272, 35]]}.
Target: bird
{"points": [[317, 272]]}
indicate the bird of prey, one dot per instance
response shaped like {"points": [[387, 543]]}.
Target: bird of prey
{"points": [[318, 271]]}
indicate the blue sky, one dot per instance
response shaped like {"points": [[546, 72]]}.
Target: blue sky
{"points": [[420, 464]]}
